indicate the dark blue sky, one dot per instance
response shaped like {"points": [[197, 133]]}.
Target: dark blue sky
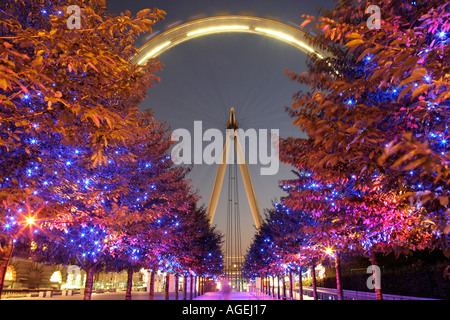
{"points": [[183, 9], [204, 77]]}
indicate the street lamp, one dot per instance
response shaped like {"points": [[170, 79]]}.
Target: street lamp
{"points": [[30, 221], [329, 251]]}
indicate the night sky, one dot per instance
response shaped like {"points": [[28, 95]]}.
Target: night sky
{"points": [[204, 77]]}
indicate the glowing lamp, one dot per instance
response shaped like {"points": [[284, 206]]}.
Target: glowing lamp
{"points": [[30, 221]]}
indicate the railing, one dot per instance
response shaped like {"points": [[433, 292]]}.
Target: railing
{"points": [[11, 293], [331, 294], [326, 294], [260, 295]]}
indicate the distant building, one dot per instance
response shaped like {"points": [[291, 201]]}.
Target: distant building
{"points": [[25, 274]]}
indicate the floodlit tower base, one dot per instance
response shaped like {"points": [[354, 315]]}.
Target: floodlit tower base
{"points": [[233, 253]]}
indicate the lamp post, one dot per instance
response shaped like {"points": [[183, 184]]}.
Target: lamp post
{"points": [[300, 284], [330, 252], [291, 285]]}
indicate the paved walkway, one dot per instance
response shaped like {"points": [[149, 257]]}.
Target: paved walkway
{"points": [[139, 295], [239, 296], [229, 296], [135, 295]]}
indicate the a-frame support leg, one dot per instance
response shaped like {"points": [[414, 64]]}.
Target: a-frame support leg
{"points": [[218, 181]]}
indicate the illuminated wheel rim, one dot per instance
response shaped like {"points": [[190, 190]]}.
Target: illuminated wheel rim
{"points": [[223, 24]]}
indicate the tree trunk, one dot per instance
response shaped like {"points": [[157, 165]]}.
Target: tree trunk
{"points": [[5, 257], [195, 286], [337, 265], [291, 286], [273, 287], [263, 285], [185, 287], [269, 286], [313, 275], [129, 283], [278, 287], [167, 286], [89, 282], [203, 285], [376, 277], [151, 293], [266, 285], [300, 285], [190, 286], [283, 280], [176, 286]]}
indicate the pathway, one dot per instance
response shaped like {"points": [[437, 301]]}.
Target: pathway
{"points": [[229, 296]]}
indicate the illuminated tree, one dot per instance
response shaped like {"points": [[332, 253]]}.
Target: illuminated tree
{"points": [[61, 86], [129, 199], [343, 219], [375, 118], [65, 87], [198, 245], [297, 239], [283, 244], [260, 256]]}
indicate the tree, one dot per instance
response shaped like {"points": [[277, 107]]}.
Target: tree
{"points": [[88, 243], [285, 242], [257, 259], [127, 198], [343, 219], [65, 87], [198, 245], [380, 91], [363, 107]]}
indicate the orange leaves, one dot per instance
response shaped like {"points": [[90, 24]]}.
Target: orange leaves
{"points": [[307, 20], [143, 13], [354, 35], [98, 158], [417, 74], [354, 43], [4, 83], [391, 81], [419, 90]]}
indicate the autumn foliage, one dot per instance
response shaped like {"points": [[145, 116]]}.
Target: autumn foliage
{"points": [[85, 175], [373, 172]]}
